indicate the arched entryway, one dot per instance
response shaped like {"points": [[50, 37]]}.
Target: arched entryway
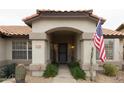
{"points": [[64, 44]]}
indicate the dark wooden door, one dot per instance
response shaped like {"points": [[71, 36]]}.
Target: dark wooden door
{"points": [[62, 52]]}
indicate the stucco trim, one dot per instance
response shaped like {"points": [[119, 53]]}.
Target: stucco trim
{"points": [[37, 67], [37, 36], [87, 67], [3, 62], [87, 36]]}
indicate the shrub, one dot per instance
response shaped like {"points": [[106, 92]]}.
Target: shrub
{"points": [[78, 73], [76, 70], [110, 69], [51, 70], [74, 64], [7, 71], [55, 63]]}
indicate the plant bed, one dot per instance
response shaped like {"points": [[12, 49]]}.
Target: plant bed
{"points": [[51, 70], [110, 69], [76, 71], [7, 71], [2, 79]]}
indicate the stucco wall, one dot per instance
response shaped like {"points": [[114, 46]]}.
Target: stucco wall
{"points": [[8, 49], [2, 49], [117, 52], [44, 25], [6, 52], [38, 52], [78, 47]]}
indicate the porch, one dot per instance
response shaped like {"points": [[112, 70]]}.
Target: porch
{"points": [[64, 46]]}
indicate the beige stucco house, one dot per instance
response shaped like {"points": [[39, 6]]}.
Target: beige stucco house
{"points": [[121, 29], [61, 36]]}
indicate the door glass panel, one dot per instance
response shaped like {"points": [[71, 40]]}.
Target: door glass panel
{"points": [[62, 53]]}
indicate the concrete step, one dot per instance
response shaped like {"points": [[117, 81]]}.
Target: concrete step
{"points": [[64, 75]]}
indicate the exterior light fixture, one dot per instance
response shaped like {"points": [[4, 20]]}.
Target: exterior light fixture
{"points": [[72, 46]]}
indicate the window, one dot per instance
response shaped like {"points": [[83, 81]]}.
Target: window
{"points": [[108, 48], [29, 50], [21, 49]]}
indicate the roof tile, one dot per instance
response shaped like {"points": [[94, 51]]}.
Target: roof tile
{"points": [[25, 30], [15, 30]]}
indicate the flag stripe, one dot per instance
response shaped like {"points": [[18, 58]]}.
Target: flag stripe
{"points": [[99, 42]]}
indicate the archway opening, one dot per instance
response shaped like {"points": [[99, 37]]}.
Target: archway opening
{"points": [[64, 46]]}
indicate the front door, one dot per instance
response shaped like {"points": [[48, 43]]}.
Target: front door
{"points": [[62, 53]]}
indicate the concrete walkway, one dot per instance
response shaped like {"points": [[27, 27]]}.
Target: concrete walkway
{"points": [[64, 75]]}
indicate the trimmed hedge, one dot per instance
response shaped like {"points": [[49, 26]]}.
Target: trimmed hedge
{"points": [[7, 71], [110, 69], [51, 70], [76, 71]]}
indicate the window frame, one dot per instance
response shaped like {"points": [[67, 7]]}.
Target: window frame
{"points": [[27, 49], [106, 41]]}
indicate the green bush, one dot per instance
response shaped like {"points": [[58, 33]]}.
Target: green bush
{"points": [[51, 70], [55, 63], [74, 64], [76, 71], [7, 71], [110, 69]]}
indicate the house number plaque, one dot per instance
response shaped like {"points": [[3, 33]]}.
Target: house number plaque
{"points": [[38, 46]]}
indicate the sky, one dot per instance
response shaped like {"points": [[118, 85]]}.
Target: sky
{"points": [[13, 11]]}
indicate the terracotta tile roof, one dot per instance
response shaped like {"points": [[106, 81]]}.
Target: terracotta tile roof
{"points": [[31, 17], [15, 30], [41, 13], [120, 27], [25, 30], [109, 32]]}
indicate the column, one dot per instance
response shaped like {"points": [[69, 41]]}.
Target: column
{"points": [[86, 48], [39, 53], [121, 49]]}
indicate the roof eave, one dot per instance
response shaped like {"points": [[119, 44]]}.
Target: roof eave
{"points": [[120, 27], [29, 19]]}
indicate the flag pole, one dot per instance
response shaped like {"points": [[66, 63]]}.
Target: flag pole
{"points": [[98, 40], [91, 59], [91, 64]]}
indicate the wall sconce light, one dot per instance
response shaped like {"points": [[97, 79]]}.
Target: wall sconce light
{"points": [[72, 46]]}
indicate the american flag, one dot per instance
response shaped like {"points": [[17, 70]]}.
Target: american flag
{"points": [[99, 41]]}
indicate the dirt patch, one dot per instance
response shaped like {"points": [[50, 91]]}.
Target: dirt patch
{"points": [[31, 79], [100, 78], [2, 79]]}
